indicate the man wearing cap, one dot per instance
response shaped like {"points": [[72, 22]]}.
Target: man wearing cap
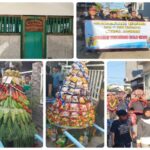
{"points": [[121, 130]]}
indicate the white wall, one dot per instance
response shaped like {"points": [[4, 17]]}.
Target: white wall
{"points": [[10, 46], [64, 9], [59, 46], [146, 67]]}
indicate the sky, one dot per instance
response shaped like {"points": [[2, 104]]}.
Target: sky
{"points": [[116, 72], [114, 5]]}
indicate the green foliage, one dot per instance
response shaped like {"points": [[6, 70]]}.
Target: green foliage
{"points": [[16, 125], [98, 6]]}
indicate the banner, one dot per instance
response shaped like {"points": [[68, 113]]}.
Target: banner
{"points": [[117, 34]]}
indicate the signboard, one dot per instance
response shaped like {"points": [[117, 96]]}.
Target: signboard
{"points": [[34, 25], [117, 34]]}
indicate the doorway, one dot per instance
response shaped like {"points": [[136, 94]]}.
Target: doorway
{"points": [[33, 38]]}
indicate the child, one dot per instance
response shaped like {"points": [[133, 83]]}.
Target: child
{"points": [[27, 86], [143, 132], [133, 121], [121, 130]]}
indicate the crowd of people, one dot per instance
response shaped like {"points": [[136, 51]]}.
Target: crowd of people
{"points": [[99, 14], [128, 119], [108, 15], [54, 80]]}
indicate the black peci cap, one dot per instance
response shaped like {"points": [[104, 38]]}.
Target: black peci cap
{"points": [[146, 109], [121, 112]]}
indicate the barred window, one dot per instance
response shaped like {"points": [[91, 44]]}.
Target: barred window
{"points": [[10, 24], [59, 25]]}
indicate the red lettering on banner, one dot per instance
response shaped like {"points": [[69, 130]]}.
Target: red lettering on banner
{"points": [[143, 37]]}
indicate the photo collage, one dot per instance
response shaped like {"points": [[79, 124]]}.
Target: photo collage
{"points": [[74, 74]]}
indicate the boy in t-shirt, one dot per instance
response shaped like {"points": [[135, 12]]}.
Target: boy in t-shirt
{"points": [[121, 130]]}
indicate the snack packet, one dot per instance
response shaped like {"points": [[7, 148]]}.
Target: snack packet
{"points": [[74, 107], [75, 99]]}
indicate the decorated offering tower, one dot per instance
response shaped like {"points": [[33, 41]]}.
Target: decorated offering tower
{"points": [[73, 107], [16, 127]]}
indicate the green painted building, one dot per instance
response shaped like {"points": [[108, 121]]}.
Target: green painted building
{"points": [[36, 30]]}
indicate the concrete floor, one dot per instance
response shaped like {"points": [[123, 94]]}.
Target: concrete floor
{"points": [[112, 54], [96, 141]]}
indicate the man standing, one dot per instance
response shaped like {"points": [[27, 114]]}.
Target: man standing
{"points": [[49, 82], [121, 130], [57, 79], [134, 16], [115, 16]]}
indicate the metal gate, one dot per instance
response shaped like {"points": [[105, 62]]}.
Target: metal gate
{"points": [[95, 83], [59, 25]]}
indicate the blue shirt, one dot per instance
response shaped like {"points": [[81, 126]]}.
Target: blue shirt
{"points": [[57, 78]]}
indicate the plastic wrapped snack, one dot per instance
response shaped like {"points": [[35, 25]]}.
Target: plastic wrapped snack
{"points": [[67, 83], [72, 85], [58, 103], [71, 91], [74, 115], [56, 111], [80, 74], [56, 119], [85, 86], [84, 81], [74, 107], [75, 99], [68, 98], [64, 121], [79, 84], [77, 91], [74, 122], [63, 96], [65, 114], [83, 107], [64, 89], [82, 100], [66, 106], [74, 79], [88, 105], [74, 71], [75, 66], [68, 78], [85, 114], [83, 92]]}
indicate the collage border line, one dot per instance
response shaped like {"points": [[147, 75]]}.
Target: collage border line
{"points": [[44, 61]]}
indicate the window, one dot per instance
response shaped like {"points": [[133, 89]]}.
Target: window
{"points": [[59, 25], [10, 24], [141, 6]]}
